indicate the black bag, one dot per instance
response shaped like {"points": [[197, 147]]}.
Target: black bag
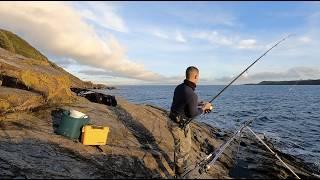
{"points": [[101, 98], [110, 100], [96, 97]]}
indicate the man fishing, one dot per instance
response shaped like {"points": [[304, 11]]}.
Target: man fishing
{"points": [[184, 108]]}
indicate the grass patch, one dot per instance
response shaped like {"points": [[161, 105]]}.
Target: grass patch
{"points": [[15, 44]]}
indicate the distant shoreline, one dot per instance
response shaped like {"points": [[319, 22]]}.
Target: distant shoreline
{"points": [[295, 82]]}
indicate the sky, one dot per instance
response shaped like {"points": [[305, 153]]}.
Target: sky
{"points": [[152, 43]]}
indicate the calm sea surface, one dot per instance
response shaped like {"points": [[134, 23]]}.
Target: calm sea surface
{"points": [[292, 122]]}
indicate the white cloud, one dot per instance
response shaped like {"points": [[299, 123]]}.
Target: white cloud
{"points": [[305, 39], [102, 15], [214, 38], [247, 44], [180, 38], [101, 73], [65, 62], [160, 34], [169, 35], [60, 30], [219, 39]]}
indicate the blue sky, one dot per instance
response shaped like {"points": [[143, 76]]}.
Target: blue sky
{"points": [[154, 42]]}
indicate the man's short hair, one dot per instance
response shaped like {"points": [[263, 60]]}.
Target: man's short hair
{"points": [[190, 70]]}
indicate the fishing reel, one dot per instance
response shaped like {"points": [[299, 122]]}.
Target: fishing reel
{"points": [[208, 110], [201, 104], [203, 169], [204, 165]]}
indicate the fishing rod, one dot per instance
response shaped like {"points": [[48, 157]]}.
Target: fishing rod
{"points": [[187, 122], [249, 67], [212, 157], [204, 165]]}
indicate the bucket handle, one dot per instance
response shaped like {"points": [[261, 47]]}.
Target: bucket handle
{"points": [[84, 116]]}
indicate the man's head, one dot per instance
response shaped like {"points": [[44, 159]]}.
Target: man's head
{"points": [[192, 74]]}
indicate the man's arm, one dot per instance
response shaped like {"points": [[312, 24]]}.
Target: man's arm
{"points": [[192, 107]]}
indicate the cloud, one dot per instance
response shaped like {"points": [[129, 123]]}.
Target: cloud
{"points": [[180, 38], [169, 35], [247, 44], [305, 39], [95, 72], [65, 62], [60, 30], [159, 34], [233, 41], [103, 73], [103, 15], [214, 38], [295, 73]]}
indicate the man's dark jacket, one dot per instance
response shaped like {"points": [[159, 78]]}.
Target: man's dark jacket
{"points": [[185, 100]]}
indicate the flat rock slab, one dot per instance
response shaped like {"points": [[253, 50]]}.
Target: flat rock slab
{"points": [[12, 99]]}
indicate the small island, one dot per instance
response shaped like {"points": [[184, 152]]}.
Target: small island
{"points": [[294, 82]]}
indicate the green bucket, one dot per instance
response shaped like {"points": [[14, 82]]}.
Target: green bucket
{"points": [[70, 127]]}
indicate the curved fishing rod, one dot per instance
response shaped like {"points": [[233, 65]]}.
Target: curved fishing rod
{"points": [[187, 122], [212, 157], [249, 67]]}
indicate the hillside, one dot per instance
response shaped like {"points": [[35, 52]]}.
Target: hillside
{"points": [[16, 45]]}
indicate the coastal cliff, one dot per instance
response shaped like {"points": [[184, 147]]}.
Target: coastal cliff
{"points": [[33, 94], [296, 82]]}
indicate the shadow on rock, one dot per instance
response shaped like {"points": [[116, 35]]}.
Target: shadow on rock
{"points": [[32, 158], [145, 137], [56, 118]]}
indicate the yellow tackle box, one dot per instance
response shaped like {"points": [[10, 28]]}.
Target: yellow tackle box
{"points": [[94, 135]]}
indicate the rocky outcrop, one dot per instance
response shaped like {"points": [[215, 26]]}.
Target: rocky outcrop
{"points": [[36, 76], [139, 144], [25, 68], [16, 45], [12, 99]]}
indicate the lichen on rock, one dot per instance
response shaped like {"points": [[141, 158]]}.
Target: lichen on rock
{"points": [[12, 99], [56, 88], [4, 105]]}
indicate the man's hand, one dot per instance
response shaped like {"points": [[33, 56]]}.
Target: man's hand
{"points": [[201, 103], [207, 107]]}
